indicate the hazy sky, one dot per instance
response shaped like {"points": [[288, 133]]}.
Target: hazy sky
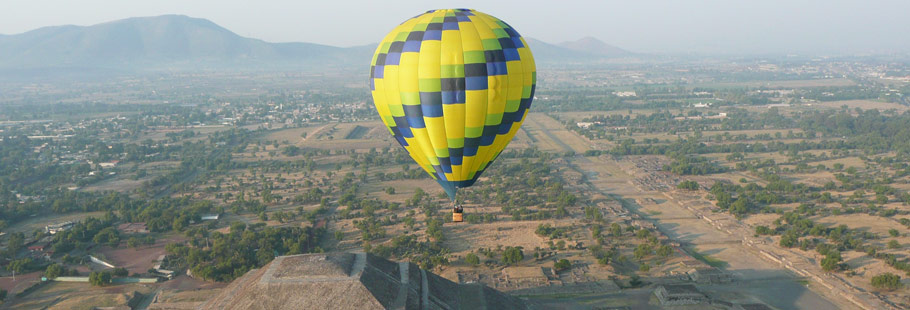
{"points": [[651, 26]]}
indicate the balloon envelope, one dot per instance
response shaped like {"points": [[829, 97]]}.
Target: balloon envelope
{"points": [[453, 87]]}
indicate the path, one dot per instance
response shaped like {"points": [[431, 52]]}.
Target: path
{"points": [[768, 281], [780, 288]]}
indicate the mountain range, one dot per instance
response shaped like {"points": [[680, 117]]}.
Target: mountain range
{"points": [[182, 42]]}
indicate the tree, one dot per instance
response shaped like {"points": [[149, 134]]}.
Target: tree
{"points": [[15, 243], [244, 248], [887, 281], [108, 236], [20, 265], [2, 295], [641, 251], [472, 259], [789, 239], [291, 150], [740, 206], [120, 272], [615, 230], [99, 278], [133, 242], [831, 262], [434, 229], [643, 233], [562, 264], [512, 255], [688, 185], [893, 244], [664, 250], [893, 232], [54, 270]]}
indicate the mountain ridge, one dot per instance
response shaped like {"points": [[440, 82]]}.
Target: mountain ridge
{"points": [[183, 42], [595, 46]]}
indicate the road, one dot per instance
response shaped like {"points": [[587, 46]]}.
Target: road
{"points": [[778, 287], [758, 277]]}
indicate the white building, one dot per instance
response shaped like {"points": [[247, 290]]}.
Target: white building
{"points": [[55, 228]]}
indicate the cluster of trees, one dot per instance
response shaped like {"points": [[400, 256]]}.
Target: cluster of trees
{"points": [[562, 264], [426, 254], [867, 130], [512, 255], [14, 244], [688, 185], [604, 256], [887, 281], [230, 255], [533, 179], [160, 215], [832, 260], [100, 278], [580, 100], [84, 233], [472, 259], [693, 165], [891, 260], [797, 230], [23, 265], [839, 93], [547, 230], [743, 202], [57, 270]]}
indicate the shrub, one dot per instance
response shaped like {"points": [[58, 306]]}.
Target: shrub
{"points": [[562, 264], [887, 281], [121, 272], [472, 259], [99, 278], [512, 255], [688, 185], [54, 271]]}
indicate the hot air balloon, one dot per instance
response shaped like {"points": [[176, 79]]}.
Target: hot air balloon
{"points": [[453, 86]]}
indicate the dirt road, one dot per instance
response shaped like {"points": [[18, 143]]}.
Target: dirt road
{"points": [[758, 278]]}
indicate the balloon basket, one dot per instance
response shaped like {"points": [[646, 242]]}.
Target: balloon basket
{"points": [[458, 214]]}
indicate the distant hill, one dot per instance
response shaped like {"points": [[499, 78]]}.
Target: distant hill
{"points": [[584, 50], [161, 41], [177, 42], [594, 46]]}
